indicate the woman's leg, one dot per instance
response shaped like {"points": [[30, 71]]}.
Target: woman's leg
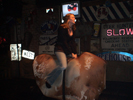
{"points": [[56, 72]]}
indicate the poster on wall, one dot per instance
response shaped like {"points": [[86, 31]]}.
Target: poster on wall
{"points": [[95, 46], [47, 39], [97, 29], [117, 36], [49, 27], [46, 49], [46, 44]]}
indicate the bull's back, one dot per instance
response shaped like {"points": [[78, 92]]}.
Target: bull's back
{"points": [[94, 69]]}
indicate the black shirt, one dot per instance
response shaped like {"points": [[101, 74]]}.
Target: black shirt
{"points": [[65, 42]]}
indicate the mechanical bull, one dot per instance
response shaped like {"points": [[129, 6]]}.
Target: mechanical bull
{"points": [[85, 77]]}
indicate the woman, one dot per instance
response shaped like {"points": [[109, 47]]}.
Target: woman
{"points": [[65, 46]]}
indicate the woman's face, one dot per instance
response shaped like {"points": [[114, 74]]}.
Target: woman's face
{"points": [[72, 19]]}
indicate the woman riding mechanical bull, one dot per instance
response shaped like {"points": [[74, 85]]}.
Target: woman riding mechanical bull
{"points": [[85, 75]]}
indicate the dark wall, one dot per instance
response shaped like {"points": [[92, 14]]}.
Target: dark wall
{"points": [[12, 8]]}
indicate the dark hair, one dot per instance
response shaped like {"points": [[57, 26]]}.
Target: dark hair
{"points": [[67, 17], [65, 24]]}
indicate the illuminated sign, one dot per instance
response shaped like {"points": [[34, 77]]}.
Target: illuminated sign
{"points": [[28, 54], [117, 36], [116, 56], [15, 52], [127, 31]]}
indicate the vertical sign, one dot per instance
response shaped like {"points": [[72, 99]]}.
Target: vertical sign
{"points": [[15, 52]]}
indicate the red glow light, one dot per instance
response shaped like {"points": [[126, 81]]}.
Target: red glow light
{"points": [[4, 39]]}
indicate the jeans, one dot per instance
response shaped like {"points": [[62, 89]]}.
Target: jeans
{"points": [[61, 56]]}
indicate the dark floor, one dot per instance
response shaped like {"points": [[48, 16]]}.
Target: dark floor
{"points": [[26, 89]]}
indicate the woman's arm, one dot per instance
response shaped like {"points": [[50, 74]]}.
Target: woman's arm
{"points": [[74, 55]]}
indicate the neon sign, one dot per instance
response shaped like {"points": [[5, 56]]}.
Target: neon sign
{"points": [[117, 36], [116, 56], [127, 31]]}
